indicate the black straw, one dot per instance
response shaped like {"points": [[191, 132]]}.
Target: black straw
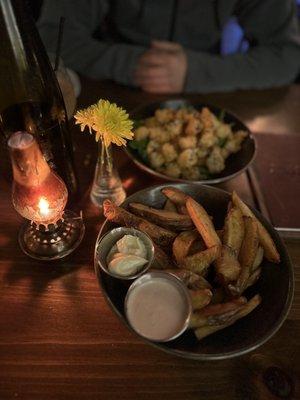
{"points": [[173, 20], [59, 42]]}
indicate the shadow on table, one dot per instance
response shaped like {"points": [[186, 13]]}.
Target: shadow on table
{"points": [[39, 274]]}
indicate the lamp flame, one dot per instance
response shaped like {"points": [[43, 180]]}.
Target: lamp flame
{"points": [[43, 207]]}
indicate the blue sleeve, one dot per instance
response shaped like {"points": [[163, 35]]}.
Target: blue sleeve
{"points": [[273, 61]]}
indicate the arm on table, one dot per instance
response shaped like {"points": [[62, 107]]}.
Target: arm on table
{"points": [[274, 61], [80, 51]]}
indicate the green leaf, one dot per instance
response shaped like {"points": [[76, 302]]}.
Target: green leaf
{"points": [[137, 123], [222, 115], [140, 147], [205, 174], [222, 142]]}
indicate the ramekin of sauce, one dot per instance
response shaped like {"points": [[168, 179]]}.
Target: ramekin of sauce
{"points": [[158, 306], [119, 251]]}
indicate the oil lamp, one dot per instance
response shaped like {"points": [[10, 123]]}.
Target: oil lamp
{"points": [[40, 196]]}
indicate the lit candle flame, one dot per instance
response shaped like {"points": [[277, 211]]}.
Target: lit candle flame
{"points": [[43, 206]]}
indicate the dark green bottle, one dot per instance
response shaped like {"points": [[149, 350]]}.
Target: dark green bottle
{"points": [[30, 97]]}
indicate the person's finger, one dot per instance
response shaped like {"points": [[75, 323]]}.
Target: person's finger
{"points": [[152, 58], [164, 45], [155, 84], [151, 82], [156, 88], [150, 72]]}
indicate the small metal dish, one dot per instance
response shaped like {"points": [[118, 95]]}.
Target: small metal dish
{"points": [[106, 243], [176, 283]]}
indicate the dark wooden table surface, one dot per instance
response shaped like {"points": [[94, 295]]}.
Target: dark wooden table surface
{"points": [[60, 340]]}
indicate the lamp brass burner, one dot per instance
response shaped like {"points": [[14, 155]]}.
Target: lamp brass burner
{"points": [[53, 241]]}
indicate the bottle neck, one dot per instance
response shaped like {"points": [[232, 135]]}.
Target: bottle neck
{"points": [[26, 72]]}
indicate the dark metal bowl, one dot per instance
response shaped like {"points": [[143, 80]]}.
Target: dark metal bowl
{"points": [[235, 163], [276, 286]]}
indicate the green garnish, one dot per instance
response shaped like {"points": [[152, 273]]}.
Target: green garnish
{"points": [[137, 123], [222, 142], [222, 115], [204, 172], [140, 146]]}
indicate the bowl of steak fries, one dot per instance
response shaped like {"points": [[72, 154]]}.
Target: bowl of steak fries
{"points": [[231, 260]]}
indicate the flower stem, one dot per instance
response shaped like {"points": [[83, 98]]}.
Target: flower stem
{"points": [[108, 157]]}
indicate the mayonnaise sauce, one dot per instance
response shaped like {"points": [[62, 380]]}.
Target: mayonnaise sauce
{"points": [[127, 257]]}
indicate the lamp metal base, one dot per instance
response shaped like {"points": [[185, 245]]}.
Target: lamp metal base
{"points": [[55, 241]]}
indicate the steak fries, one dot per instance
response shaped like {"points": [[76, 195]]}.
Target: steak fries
{"points": [[266, 241], [217, 266]]}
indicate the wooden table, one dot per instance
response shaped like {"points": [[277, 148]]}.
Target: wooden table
{"points": [[58, 337]]}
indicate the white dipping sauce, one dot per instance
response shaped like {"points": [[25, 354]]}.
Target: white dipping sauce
{"points": [[127, 257], [157, 309]]}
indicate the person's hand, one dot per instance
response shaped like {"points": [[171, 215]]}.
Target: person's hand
{"points": [[162, 68]]}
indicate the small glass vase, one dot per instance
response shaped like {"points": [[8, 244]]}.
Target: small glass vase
{"points": [[107, 183]]}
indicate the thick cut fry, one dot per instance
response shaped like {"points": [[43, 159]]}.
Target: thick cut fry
{"points": [[258, 259], [198, 245], [200, 262], [248, 252], [234, 229], [233, 290], [160, 236], [249, 306], [200, 298], [266, 241], [175, 195], [219, 295], [161, 259], [190, 279], [166, 219], [182, 244], [216, 313], [170, 206], [227, 266], [220, 233], [244, 310], [203, 223], [253, 277], [207, 330], [182, 210]]}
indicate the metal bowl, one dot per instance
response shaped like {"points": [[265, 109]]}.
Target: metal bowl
{"points": [[107, 241], [234, 165], [176, 282], [276, 286]]}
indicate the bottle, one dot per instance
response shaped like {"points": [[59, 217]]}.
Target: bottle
{"points": [[30, 97]]}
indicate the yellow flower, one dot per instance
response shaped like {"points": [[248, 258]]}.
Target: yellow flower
{"points": [[85, 118], [110, 122]]}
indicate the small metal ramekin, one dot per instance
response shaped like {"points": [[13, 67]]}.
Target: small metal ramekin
{"points": [[176, 282], [107, 241]]}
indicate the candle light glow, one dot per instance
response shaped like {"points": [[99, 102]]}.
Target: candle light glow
{"points": [[43, 207]]}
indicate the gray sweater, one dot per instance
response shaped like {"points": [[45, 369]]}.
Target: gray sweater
{"points": [[103, 39]]}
